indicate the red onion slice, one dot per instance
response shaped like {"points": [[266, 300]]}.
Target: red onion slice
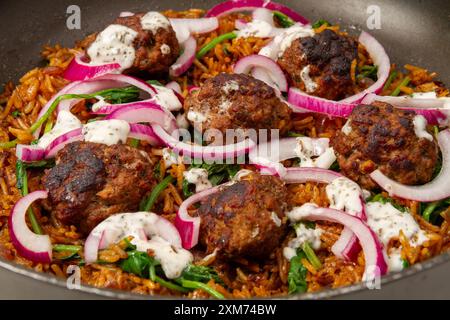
{"points": [[189, 227], [186, 59], [263, 75], [435, 190], [380, 59], [34, 247], [344, 107], [432, 109], [93, 85], [302, 175], [136, 224], [375, 265], [406, 101], [246, 64], [301, 101], [185, 27], [175, 86], [34, 153], [29, 153], [193, 88], [246, 5], [144, 133], [204, 152], [78, 69], [64, 139], [106, 81], [268, 155], [263, 14], [347, 246], [145, 112]]}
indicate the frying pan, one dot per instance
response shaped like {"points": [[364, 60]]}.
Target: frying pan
{"points": [[416, 32]]}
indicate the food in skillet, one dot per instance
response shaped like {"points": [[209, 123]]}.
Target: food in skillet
{"points": [[237, 101], [97, 171], [138, 42]]}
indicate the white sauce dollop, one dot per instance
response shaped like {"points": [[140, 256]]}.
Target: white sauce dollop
{"points": [[344, 194], [347, 128], [99, 104], [165, 49], [195, 116], [153, 20], [114, 44], [173, 260], [107, 132], [394, 260], [167, 99], [284, 40], [169, 157], [309, 83], [304, 234], [314, 153], [275, 218], [256, 28], [230, 86], [199, 177], [65, 122], [420, 128], [298, 213], [145, 230], [387, 221]]}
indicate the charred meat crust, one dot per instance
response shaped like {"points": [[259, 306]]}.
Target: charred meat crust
{"points": [[383, 137], [238, 221], [149, 57], [238, 101], [92, 181], [329, 56]]}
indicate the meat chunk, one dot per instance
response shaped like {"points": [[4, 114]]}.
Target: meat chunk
{"points": [[321, 65], [92, 181], [382, 137], [237, 101], [245, 219], [155, 50]]}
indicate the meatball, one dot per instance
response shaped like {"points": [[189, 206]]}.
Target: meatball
{"points": [[237, 101], [92, 181], [379, 136], [245, 219], [320, 65], [156, 48]]}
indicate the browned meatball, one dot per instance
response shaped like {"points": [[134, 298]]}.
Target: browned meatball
{"points": [[245, 219], [237, 101], [383, 137], [154, 53], [328, 56], [92, 181]]}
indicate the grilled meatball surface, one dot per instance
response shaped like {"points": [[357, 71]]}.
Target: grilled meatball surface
{"points": [[92, 181], [383, 137], [155, 53], [236, 101], [328, 56], [245, 219]]}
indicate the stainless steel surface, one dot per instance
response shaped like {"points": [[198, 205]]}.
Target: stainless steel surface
{"points": [[416, 32]]}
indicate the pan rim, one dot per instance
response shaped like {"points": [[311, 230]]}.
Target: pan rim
{"points": [[323, 294]]}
